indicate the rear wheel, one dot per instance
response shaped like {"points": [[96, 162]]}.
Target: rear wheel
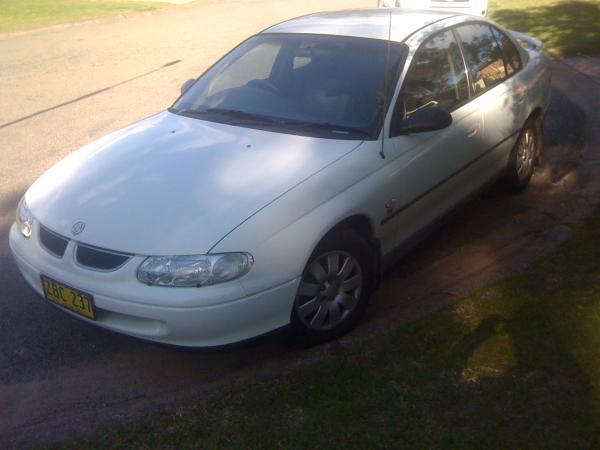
{"points": [[335, 287], [524, 157]]}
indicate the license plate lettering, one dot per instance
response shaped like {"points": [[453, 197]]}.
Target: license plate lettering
{"points": [[78, 301], [69, 298], [55, 291]]}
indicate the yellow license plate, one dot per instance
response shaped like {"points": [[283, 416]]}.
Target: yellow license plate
{"points": [[69, 298]]}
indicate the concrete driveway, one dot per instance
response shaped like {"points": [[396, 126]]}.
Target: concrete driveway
{"points": [[65, 86]]}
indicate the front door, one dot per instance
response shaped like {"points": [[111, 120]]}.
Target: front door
{"points": [[434, 170]]}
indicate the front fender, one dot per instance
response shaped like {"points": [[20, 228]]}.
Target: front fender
{"points": [[282, 236]]}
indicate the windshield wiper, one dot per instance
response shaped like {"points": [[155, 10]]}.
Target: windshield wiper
{"points": [[229, 113], [187, 112], [237, 117], [331, 127]]}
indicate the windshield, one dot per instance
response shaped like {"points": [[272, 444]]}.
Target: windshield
{"points": [[328, 86]]}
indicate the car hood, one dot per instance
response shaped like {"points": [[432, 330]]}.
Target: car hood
{"points": [[172, 185]]}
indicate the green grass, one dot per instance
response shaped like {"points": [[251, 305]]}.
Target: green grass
{"points": [[18, 15], [515, 365], [567, 27]]}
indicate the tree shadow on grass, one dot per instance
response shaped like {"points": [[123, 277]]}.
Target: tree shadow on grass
{"points": [[568, 28], [498, 371], [521, 372], [542, 399]]}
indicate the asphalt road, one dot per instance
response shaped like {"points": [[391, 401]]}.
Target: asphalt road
{"points": [[64, 87]]}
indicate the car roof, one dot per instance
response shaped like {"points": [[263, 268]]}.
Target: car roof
{"points": [[365, 23]]}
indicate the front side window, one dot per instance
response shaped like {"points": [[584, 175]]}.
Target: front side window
{"points": [[483, 56], [437, 76], [329, 86]]}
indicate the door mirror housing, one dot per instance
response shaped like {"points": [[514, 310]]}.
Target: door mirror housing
{"points": [[188, 84], [423, 120]]}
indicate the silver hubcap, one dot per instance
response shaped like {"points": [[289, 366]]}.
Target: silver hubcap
{"points": [[526, 154], [329, 290]]}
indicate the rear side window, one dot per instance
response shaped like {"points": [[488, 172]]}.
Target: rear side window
{"points": [[437, 76], [512, 58], [483, 56]]}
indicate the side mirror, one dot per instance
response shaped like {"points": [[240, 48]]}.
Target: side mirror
{"points": [[425, 119], [188, 84]]}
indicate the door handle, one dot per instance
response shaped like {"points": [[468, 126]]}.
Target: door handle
{"points": [[520, 98], [473, 132]]}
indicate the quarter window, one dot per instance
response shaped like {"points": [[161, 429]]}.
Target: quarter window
{"points": [[483, 56], [512, 59], [437, 76]]}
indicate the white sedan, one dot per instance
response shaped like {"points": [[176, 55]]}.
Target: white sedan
{"points": [[285, 178], [474, 7]]}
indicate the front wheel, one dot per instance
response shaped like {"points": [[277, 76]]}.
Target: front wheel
{"points": [[524, 157], [335, 287]]}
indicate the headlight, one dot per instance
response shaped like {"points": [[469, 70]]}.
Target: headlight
{"points": [[194, 271], [24, 219]]}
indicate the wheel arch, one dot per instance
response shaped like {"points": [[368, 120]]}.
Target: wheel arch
{"points": [[537, 113], [537, 116], [364, 227]]}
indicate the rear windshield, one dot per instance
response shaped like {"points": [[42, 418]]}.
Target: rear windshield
{"points": [[329, 86]]}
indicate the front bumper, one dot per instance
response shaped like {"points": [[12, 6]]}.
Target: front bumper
{"points": [[192, 317]]}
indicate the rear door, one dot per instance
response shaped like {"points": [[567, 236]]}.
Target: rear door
{"points": [[493, 65]]}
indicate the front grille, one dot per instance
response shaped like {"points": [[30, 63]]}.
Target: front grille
{"points": [[96, 258], [52, 242]]}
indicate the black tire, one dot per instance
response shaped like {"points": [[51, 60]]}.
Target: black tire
{"points": [[350, 247], [522, 161]]}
